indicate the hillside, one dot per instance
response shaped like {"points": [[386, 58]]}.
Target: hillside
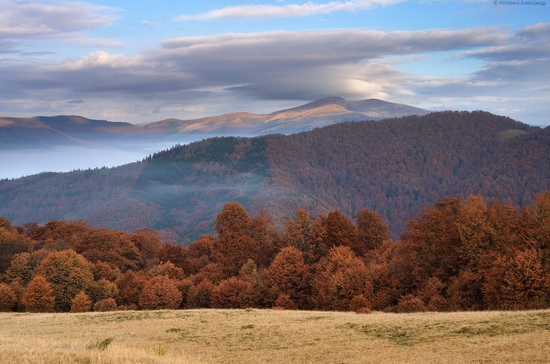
{"points": [[396, 167], [315, 114], [48, 131]]}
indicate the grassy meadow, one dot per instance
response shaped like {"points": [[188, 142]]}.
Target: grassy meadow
{"points": [[275, 336]]}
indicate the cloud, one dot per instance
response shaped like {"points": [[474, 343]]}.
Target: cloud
{"points": [[20, 19], [198, 76], [286, 11]]}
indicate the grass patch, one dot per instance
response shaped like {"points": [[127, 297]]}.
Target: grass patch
{"points": [[261, 336], [101, 345], [159, 350]]}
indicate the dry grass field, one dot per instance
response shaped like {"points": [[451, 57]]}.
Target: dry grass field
{"points": [[271, 336]]}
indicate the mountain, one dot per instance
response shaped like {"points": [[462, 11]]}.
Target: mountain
{"points": [[395, 167], [315, 114], [48, 131], [63, 130]]}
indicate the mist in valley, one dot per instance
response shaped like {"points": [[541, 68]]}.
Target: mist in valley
{"points": [[16, 163]]}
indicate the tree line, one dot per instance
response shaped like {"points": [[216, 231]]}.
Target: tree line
{"points": [[459, 254]]}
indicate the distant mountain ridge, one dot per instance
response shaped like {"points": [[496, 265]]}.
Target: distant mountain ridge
{"points": [[395, 167], [322, 112], [45, 131]]}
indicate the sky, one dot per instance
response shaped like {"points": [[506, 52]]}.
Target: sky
{"points": [[144, 61]]}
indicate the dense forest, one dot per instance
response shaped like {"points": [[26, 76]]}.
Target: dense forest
{"points": [[395, 167], [458, 254]]}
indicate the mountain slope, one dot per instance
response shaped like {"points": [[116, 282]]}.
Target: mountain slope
{"points": [[63, 130], [315, 114], [395, 167]]}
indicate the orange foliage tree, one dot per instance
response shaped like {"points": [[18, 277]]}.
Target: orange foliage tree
{"points": [[339, 278], [288, 274], [38, 296], [81, 302], [160, 292], [68, 273], [8, 298], [233, 293], [234, 245]]}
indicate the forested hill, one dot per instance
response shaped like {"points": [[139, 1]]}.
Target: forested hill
{"points": [[395, 167]]}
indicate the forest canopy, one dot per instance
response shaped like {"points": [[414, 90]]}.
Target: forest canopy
{"points": [[458, 254]]}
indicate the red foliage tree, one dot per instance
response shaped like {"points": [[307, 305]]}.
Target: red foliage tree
{"points": [[339, 278], [335, 229], [8, 298], [110, 246], [288, 274], [148, 243], [372, 231], [167, 269], [235, 244], [105, 305], [160, 292], [12, 242], [81, 303], [517, 282], [102, 289], [68, 273], [300, 235], [39, 296], [130, 285], [200, 294], [232, 293]]}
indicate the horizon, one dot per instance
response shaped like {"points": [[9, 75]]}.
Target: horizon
{"points": [[144, 62]]}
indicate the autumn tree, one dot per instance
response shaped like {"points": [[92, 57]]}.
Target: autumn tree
{"points": [[23, 265], [234, 245], [199, 254], [130, 285], [372, 231], [12, 242], [60, 235], [102, 289], [335, 229], [110, 246], [8, 298], [160, 292], [167, 269], [536, 221], [287, 274], [81, 303], [68, 273], [517, 282], [430, 247], [339, 278], [268, 239], [148, 243], [200, 294], [232, 293], [105, 305], [299, 234], [38, 296]]}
